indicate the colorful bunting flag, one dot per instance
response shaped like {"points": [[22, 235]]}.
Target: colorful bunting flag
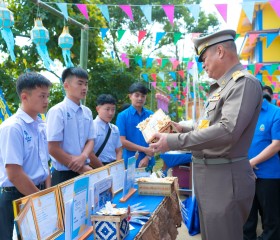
{"points": [[141, 35], [83, 10], [270, 38], [164, 62], [149, 62], [4, 109], [63, 9], [222, 9], [127, 10], [145, 76], [276, 6], [248, 8], [173, 75], [161, 75], [120, 34], [154, 76], [159, 36], [194, 9], [176, 37], [181, 73], [103, 32], [104, 11], [169, 11], [147, 11], [125, 59]]}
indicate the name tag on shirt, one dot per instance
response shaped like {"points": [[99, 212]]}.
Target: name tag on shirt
{"points": [[204, 123]]}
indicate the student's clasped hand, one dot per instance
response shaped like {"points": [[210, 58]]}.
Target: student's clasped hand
{"points": [[161, 144], [76, 163]]}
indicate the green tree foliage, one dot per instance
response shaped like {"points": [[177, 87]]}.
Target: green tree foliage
{"points": [[106, 75]]}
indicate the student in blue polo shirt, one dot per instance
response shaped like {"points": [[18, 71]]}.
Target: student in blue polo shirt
{"points": [[127, 120], [107, 142], [264, 158], [69, 128], [23, 148]]}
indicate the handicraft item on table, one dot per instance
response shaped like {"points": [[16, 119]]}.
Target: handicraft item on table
{"points": [[157, 122]]}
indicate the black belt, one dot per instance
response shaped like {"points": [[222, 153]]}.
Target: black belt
{"points": [[41, 186]]}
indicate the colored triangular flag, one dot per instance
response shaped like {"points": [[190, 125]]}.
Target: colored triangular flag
{"points": [[253, 37], [173, 75], [103, 32], [83, 10], [175, 64], [237, 36], [164, 62], [222, 9], [149, 62], [138, 60], [125, 59], [270, 38], [104, 11], [258, 67], [276, 6], [161, 75], [159, 61], [181, 73], [186, 60], [141, 35], [248, 8], [147, 11], [190, 64], [169, 11], [194, 9], [63, 9], [145, 76], [159, 36], [127, 10], [251, 67], [120, 34], [154, 84], [176, 37], [154, 76]]}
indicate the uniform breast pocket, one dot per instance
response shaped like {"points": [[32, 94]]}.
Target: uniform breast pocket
{"points": [[211, 106]]}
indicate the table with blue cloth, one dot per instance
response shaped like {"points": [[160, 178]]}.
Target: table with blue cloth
{"points": [[176, 158], [164, 220]]}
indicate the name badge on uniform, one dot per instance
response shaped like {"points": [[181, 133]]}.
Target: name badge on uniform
{"points": [[204, 123]]}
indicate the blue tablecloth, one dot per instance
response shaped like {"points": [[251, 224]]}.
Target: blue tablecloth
{"points": [[172, 159], [151, 203]]}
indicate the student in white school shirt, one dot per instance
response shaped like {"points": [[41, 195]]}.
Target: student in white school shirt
{"points": [[69, 128], [23, 148], [105, 152]]}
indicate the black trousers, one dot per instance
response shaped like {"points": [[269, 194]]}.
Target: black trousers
{"points": [[267, 203], [62, 176], [7, 213]]}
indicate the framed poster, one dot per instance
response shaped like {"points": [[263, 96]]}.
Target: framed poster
{"points": [[116, 170], [25, 224], [80, 210], [47, 212]]}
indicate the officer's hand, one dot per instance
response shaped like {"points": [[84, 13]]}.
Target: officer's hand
{"points": [[144, 162], [161, 144], [149, 151]]}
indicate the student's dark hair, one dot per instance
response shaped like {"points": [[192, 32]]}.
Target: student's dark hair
{"points": [[74, 71], [267, 96], [31, 80], [105, 99], [138, 87], [268, 88]]}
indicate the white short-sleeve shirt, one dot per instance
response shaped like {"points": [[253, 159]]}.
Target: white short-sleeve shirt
{"points": [[70, 124], [100, 129], [23, 142]]}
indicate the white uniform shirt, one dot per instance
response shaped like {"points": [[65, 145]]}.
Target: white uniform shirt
{"points": [[23, 142], [70, 124], [100, 129]]}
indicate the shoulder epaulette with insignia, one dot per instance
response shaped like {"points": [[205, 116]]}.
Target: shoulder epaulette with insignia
{"points": [[237, 74]]}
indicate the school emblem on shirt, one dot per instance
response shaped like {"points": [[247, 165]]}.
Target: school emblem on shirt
{"points": [[26, 136], [262, 127], [68, 116]]}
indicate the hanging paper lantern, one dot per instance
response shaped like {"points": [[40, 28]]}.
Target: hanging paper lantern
{"points": [[40, 36], [66, 41], [6, 22]]}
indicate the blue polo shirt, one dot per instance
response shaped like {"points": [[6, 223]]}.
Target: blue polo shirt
{"points": [[127, 121], [267, 129]]}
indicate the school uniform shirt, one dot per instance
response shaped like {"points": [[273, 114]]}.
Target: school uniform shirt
{"points": [[23, 142], [100, 129], [267, 129], [70, 124], [127, 121]]}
